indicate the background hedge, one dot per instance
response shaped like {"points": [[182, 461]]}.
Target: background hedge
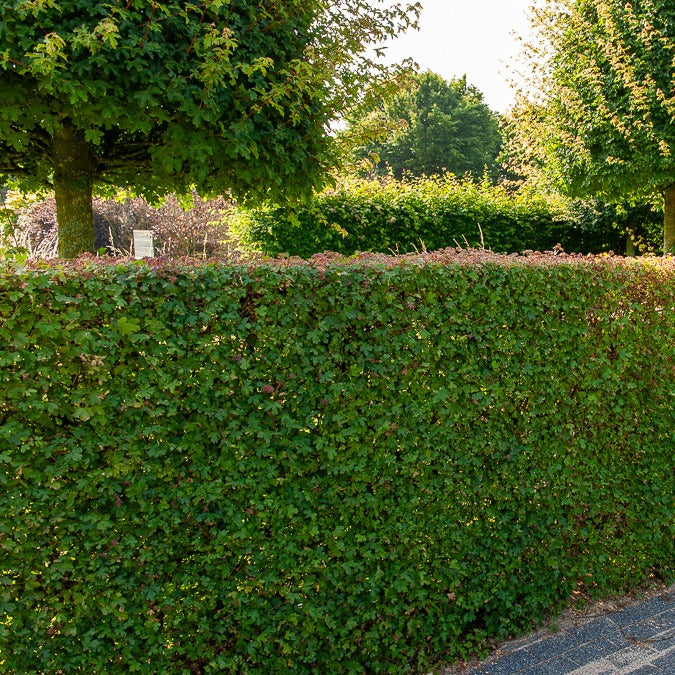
{"points": [[435, 213], [364, 465]]}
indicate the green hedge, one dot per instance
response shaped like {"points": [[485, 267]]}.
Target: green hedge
{"points": [[362, 465], [436, 213]]}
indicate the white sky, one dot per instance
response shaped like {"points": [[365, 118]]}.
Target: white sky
{"points": [[472, 37]]}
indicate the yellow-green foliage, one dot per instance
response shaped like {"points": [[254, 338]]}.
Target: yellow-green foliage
{"points": [[436, 213], [362, 465]]}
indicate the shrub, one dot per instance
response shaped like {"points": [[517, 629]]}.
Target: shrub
{"points": [[361, 465], [436, 213], [198, 228]]}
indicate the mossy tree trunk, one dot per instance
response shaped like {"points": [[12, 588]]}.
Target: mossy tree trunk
{"points": [[631, 248], [74, 169], [669, 219]]}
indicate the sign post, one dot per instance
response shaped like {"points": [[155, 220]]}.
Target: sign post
{"points": [[143, 247]]}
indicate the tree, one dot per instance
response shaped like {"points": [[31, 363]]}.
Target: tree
{"points": [[604, 125], [433, 126], [158, 97]]}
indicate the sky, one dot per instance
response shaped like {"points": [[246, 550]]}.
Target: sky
{"points": [[472, 37]]}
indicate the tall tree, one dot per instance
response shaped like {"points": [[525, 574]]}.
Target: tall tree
{"points": [[605, 122], [160, 96], [433, 126]]}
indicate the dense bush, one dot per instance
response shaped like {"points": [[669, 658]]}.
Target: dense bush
{"points": [[360, 465], [440, 212], [198, 228]]}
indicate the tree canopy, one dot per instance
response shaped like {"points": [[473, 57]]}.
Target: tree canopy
{"points": [[158, 97], [433, 126], [604, 124]]}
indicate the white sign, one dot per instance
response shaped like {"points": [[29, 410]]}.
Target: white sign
{"points": [[143, 244]]}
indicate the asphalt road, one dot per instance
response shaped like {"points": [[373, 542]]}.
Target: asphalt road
{"points": [[636, 638]]}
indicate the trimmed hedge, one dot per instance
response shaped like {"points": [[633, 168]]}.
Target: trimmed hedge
{"points": [[363, 465], [435, 213]]}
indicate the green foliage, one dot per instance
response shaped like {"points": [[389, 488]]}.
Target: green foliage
{"points": [[434, 126], [346, 466], [442, 212], [164, 96], [604, 123]]}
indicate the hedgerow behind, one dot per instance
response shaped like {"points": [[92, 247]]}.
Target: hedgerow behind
{"points": [[435, 213], [342, 465]]}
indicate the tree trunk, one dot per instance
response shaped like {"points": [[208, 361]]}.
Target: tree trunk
{"points": [[631, 248], [73, 184], [669, 220]]}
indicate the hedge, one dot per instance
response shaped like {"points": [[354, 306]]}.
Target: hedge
{"points": [[343, 465], [436, 213]]}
